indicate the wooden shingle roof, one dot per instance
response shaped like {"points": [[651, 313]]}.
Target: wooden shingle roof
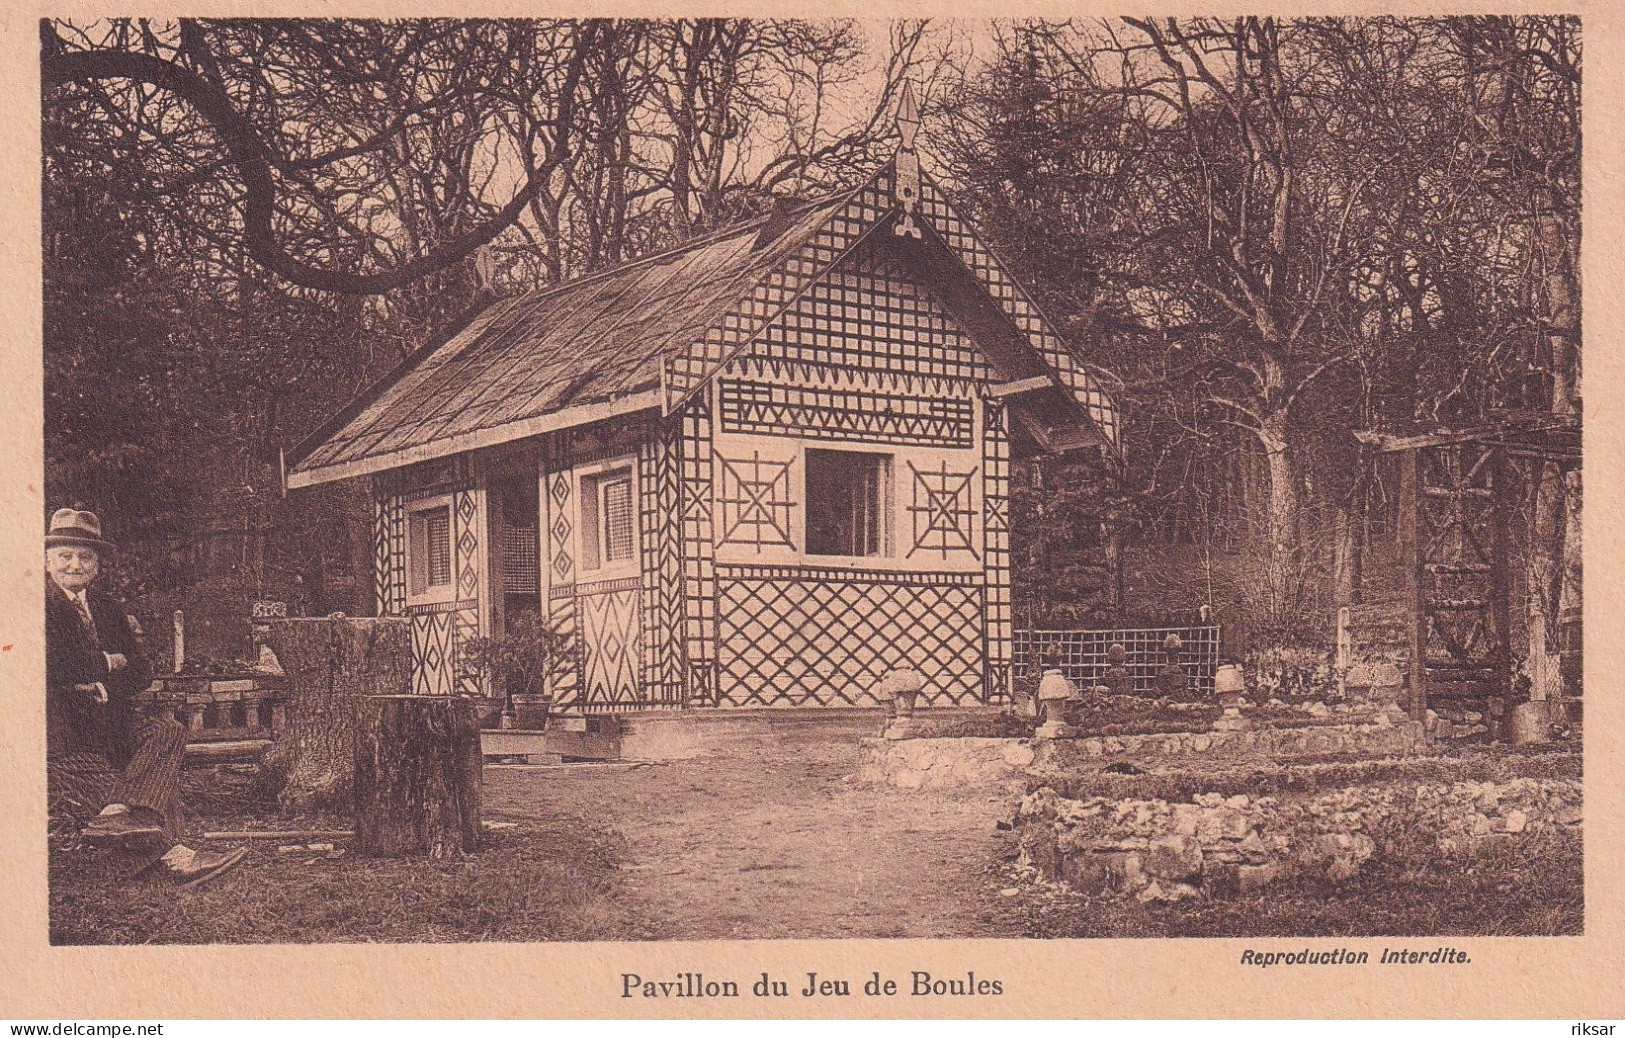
{"points": [[555, 356]]}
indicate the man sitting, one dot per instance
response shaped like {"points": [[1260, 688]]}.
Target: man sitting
{"points": [[106, 759]]}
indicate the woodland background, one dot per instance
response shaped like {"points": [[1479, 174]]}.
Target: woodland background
{"points": [[1263, 234]]}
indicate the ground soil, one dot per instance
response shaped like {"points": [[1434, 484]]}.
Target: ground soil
{"points": [[775, 839]]}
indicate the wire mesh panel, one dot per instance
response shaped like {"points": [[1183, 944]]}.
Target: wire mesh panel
{"points": [[1081, 655]]}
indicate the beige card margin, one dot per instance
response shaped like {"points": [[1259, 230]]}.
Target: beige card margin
{"points": [[1571, 978]]}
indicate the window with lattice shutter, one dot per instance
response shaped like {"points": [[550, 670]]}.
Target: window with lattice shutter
{"points": [[428, 549], [608, 520], [617, 512]]}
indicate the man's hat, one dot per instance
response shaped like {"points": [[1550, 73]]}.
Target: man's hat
{"points": [[69, 526]]}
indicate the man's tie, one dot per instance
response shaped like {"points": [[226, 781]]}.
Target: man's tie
{"points": [[80, 604]]}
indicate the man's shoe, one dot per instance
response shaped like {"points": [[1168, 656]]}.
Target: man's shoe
{"points": [[206, 865], [125, 826]]}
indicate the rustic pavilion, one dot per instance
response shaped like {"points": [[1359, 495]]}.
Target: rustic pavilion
{"points": [[761, 469]]}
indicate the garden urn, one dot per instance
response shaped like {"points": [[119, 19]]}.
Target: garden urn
{"points": [[1054, 690], [900, 689]]}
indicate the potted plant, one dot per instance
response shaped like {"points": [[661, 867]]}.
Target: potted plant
{"points": [[519, 663]]}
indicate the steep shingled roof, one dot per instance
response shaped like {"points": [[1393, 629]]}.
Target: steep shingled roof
{"points": [[596, 343]]}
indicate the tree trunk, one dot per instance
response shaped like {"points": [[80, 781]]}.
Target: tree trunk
{"points": [[417, 776], [1347, 562], [1283, 527], [329, 661], [1554, 527], [1543, 573]]}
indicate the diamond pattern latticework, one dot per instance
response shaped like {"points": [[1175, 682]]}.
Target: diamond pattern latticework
{"points": [[943, 511], [801, 642], [560, 528], [433, 654], [469, 532], [611, 644]]}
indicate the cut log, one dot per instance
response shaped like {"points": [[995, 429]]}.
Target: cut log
{"points": [[417, 776], [329, 661], [281, 834]]}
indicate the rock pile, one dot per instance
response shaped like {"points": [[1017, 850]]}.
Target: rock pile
{"points": [[1216, 846]]}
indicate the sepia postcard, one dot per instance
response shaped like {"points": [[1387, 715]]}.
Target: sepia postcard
{"points": [[839, 513]]}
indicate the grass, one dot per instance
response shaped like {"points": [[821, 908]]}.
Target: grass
{"points": [[526, 884], [1530, 887]]}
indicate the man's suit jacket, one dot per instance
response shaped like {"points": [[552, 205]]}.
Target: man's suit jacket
{"points": [[74, 655]]}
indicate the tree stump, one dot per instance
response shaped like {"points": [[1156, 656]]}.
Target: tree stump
{"points": [[329, 661], [417, 776]]}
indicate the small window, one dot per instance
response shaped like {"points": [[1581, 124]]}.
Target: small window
{"points": [[848, 502], [607, 519], [428, 550]]}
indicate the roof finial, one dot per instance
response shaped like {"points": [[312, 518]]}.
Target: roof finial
{"points": [[908, 115], [906, 166]]}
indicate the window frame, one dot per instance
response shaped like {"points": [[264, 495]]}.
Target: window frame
{"points": [[593, 479], [885, 505], [432, 594]]}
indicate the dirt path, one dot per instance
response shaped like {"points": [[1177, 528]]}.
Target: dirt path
{"points": [[779, 841]]}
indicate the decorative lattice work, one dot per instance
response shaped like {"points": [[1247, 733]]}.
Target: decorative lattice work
{"points": [[755, 501], [468, 530], [1457, 543], [687, 372], [943, 512], [826, 638], [699, 577], [434, 653], [869, 314], [996, 544], [1020, 309], [611, 648], [845, 414], [1082, 654], [558, 509], [660, 524], [561, 527], [383, 600]]}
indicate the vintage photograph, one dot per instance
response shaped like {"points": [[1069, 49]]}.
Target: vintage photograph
{"points": [[675, 480]]}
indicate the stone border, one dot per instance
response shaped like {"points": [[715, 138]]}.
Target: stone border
{"points": [[962, 762]]}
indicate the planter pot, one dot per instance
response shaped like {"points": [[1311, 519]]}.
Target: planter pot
{"points": [[530, 711]]}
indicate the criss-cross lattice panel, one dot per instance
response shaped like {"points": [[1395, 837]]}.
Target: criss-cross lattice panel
{"points": [[806, 640], [685, 373], [1081, 654], [943, 512], [755, 501], [1460, 553], [611, 649], [868, 314], [1019, 308]]}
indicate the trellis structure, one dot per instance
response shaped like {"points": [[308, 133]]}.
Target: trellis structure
{"points": [[1455, 505], [1082, 655], [768, 466]]}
